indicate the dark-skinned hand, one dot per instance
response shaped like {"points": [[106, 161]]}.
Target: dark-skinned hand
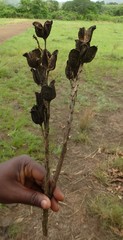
{"points": [[22, 181]]}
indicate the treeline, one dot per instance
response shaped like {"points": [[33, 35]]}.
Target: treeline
{"points": [[70, 10]]}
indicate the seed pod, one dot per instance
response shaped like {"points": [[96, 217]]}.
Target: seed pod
{"points": [[74, 62], [49, 92], [43, 31], [68, 71], [52, 60], [39, 99], [45, 58], [86, 35], [37, 114], [89, 55], [47, 28], [74, 58], [83, 50], [39, 75], [39, 29], [78, 44], [33, 58]]}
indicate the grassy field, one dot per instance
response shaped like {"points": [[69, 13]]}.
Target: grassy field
{"points": [[4, 21], [17, 87], [100, 93]]}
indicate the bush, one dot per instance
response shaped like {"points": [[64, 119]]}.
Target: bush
{"points": [[63, 15], [7, 11], [91, 17]]}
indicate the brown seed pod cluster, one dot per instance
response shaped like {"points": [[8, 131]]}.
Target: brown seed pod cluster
{"points": [[41, 63], [82, 53]]}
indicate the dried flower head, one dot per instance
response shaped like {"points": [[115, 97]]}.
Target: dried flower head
{"points": [[43, 31], [52, 60], [73, 64], [39, 99], [83, 53], [89, 55], [37, 114], [86, 35], [49, 92], [33, 58], [39, 75]]}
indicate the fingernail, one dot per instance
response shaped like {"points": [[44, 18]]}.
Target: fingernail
{"points": [[44, 204]]}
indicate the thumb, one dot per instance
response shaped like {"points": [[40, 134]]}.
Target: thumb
{"points": [[30, 197]]}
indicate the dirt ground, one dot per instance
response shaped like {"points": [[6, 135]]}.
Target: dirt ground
{"points": [[9, 30], [77, 180]]}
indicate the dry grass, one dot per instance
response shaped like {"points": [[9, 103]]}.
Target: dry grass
{"points": [[87, 118], [109, 210]]}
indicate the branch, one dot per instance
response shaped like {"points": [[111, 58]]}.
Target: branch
{"points": [[47, 167], [37, 42], [74, 89]]}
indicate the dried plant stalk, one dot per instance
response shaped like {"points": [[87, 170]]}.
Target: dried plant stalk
{"points": [[41, 63], [73, 95], [45, 223], [47, 167], [83, 53]]}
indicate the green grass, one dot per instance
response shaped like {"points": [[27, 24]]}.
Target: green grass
{"points": [[102, 175], [118, 163], [107, 206], [13, 231], [81, 137], [108, 209], [17, 132], [4, 21]]}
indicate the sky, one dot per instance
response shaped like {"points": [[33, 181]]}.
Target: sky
{"points": [[17, 1]]}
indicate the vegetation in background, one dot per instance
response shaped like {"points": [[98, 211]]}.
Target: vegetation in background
{"points": [[69, 10]]}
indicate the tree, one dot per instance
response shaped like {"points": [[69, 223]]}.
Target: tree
{"points": [[82, 7], [52, 5], [7, 10], [33, 8], [24, 8], [68, 6], [39, 8]]}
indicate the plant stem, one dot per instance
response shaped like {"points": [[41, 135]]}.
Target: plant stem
{"points": [[74, 89], [47, 166], [45, 224], [37, 42], [42, 132], [45, 43]]}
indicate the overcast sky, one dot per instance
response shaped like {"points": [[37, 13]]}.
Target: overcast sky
{"points": [[17, 1]]}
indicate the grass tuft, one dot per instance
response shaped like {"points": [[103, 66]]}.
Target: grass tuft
{"points": [[86, 119], [82, 137], [102, 176], [13, 231], [118, 163], [109, 210]]}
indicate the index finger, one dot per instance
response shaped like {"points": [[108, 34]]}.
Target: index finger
{"points": [[35, 170]]}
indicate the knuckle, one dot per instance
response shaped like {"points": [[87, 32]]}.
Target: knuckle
{"points": [[34, 199]]}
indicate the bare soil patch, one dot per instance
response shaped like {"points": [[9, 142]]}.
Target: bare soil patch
{"points": [[9, 30]]}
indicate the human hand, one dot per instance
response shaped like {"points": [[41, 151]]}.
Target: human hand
{"points": [[22, 181]]}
